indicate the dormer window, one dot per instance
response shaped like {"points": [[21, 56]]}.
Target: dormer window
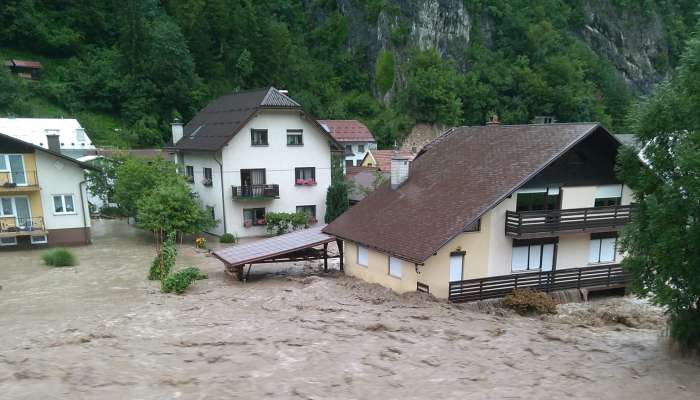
{"points": [[80, 134]]}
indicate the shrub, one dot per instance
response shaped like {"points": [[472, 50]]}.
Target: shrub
{"points": [[685, 329], [526, 301], [167, 255], [280, 223], [228, 238], [59, 258], [181, 280]]}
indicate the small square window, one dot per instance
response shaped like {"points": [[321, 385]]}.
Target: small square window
{"points": [[189, 173], [207, 177], [253, 217], [362, 255], [360, 148], [63, 204], [295, 137], [258, 137], [305, 176], [10, 241], [348, 148], [310, 212], [395, 267], [39, 239]]}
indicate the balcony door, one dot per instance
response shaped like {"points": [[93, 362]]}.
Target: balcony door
{"points": [[250, 178], [23, 213], [14, 164]]}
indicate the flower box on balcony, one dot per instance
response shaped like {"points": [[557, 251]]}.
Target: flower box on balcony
{"points": [[207, 182], [299, 181], [310, 182]]}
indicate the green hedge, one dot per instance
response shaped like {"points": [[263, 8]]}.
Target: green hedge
{"points": [[59, 258]]}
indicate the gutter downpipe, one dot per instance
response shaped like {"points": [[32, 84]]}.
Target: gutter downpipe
{"points": [[223, 196], [82, 203]]}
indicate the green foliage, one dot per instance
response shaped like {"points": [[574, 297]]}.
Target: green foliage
{"points": [[136, 178], [164, 261], [59, 258], [385, 71], [663, 241], [526, 302], [172, 208], [181, 280], [228, 238], [101, 182], [279, 223], [336, 200]]}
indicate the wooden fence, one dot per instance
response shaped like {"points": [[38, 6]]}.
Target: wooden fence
{"points": [[611, 275]]}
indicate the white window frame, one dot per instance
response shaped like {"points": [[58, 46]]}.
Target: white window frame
{"points": [[63, 204], [14, 243], [6, 157], [44, 240], [395, 264], [539, 253], [598, 242], [362, 250]]}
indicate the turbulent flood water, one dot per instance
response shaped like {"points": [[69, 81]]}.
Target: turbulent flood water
{"points": [[101, 331]]}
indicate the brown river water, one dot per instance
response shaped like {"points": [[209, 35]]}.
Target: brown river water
{"points": [[102, 331]]}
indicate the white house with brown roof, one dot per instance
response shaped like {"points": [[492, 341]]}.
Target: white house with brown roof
{"points": [[483, 209], [381, 159], [253, 152], [356, 139]]}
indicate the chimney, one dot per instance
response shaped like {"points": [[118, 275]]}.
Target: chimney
{"points": [[493, 120], [399, 169], [177, 130], [54, 142]]}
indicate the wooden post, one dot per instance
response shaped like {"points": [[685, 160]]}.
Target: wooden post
{"points": [[340, 252], [325, 256]]}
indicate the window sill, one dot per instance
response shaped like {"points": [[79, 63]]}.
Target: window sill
{"points": [[525, 271], [259, 145], [66, 213], [295, 145], [602, 263], [395, 277], [306, 184]]}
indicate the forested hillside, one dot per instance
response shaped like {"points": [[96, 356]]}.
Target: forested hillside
{"points": [[131, 66]]}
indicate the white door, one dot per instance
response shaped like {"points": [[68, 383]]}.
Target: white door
{"points": [[456, 267]]}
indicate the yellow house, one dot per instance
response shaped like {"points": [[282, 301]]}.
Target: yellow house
{"points": [[42, 196], [484, 209]]}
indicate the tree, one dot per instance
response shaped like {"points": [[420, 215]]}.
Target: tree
{"points": [[336, 200], [663, 240], [137, 177], [172, 208]]}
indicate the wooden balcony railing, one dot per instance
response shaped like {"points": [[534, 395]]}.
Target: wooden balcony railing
{"points": [[15, 180], [573, 219], [611, 275], [256, 192], [12, 226]]}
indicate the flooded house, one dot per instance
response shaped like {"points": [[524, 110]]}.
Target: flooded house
{"points": [[43, 197], [253, 152], [485, 209]]}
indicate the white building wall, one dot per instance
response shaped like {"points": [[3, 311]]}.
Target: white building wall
{"points": [[358, 155], [59, 176], [208, 195]]}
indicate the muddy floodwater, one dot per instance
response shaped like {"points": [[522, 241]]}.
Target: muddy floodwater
{"points": [[102, 331]]}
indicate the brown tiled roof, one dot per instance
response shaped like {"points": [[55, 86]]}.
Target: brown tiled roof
{"points": [[383, 158], [348, 130], [362, 177], [220, 120], [26, 64], [459, 176]]}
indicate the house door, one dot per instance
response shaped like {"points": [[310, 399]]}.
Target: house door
{"points": [[23, 213], [250, 178], [17, 168], [456, 266]]}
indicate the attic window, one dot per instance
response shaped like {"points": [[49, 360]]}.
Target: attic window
{"points": [[80, 133]]}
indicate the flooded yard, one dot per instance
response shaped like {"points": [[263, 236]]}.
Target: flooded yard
{"points": [[102, 331]]}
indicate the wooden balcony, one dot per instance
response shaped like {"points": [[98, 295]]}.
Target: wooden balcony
{"points": [[595, 277], [19, 182], [13, 227], [538, 223], [256, 192]]}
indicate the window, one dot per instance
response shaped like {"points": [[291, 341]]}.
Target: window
{"points": [[6, 207], [348, 148], [253, 216], [211, 212], [603, 248], [456, 265], [533, 255], [207, 177], [3, 163], [362, 255], [310, 211], [63, 204], [305, 176], [537, 199], [294, 137], [360, 148], [39, 239], [80, 134], [394, 267], [189, 173], [608, 195], [14, 164], [258, 137], [10, 241]]}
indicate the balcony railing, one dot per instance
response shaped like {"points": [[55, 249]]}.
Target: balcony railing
{"points": [[573, 219], [256, 192], [12, 226], [18, 180]]}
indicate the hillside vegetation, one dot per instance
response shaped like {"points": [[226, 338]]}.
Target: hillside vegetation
{"points": [[128, 68]]}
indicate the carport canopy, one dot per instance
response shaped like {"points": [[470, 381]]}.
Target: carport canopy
{"points": [[294, 246]]}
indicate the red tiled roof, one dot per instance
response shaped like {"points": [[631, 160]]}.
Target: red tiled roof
{"points": [[452, 183], [26, 64], [383, 158], [348, 130]]}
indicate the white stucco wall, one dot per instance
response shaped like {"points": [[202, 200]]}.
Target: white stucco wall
{"points": [[279, 162], [59, 176], [358, 156]]}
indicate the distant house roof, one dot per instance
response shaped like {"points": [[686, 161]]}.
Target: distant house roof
{"points": [[72, 136], [23, 64], [453, 181], [21, 143], [347, 130], [382, 158], [363, 180], [218, 122]]}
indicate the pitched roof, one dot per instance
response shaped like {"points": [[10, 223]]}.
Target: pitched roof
{"points": [[452, 182], [72, 136], [220, 120], [347, 130], [363, 179], [383, 158], [24, 64], [20, 142]]}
